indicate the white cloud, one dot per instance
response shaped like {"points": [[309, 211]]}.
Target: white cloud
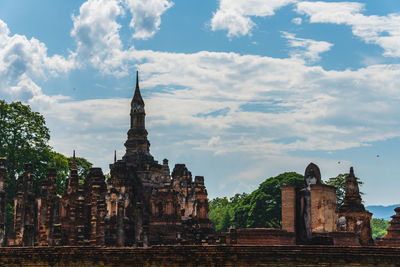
{"points": [[24, 60], [306, 48], [297, 20], [227, 104], [381, 30], [96, 32], [146, 16], [235, 15]]}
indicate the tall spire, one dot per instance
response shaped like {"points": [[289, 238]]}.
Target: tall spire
{"points": [[137, 97], [137, 134], [115, 156], [137, 80], [352, 199], [73, 164]]}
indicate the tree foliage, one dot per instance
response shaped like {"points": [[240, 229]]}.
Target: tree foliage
{"points": [[340, 183], [221, 211], [261, 208], [379, 227], [24, 138], [60, 163]]}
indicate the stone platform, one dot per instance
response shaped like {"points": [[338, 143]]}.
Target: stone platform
{"points": [[201, 256]]}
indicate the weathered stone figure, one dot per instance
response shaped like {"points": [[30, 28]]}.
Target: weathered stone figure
{"points": [[312, 175]]}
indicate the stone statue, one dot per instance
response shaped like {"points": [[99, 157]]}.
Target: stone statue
{"points": [[312, 175]]}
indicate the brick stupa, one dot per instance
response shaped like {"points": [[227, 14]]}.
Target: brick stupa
{"points": [[392, 238], [356, 218]]}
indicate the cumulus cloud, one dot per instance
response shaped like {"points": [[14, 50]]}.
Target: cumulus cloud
{"points": [[381, 30], [96, 32], [306, 48], [226, 103], [235, 15], [24, 60], [146, 16]]}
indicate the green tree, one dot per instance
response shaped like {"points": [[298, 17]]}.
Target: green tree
{"points": [[60, 163], [379, 227], [340, 183], [221, 211], [262, 208], [23, 139]]}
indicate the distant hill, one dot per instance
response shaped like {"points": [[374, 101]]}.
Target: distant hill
{"points": [[384, 212]]}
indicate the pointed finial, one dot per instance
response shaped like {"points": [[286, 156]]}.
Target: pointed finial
{"points": [[137, 79], [351, 171], [137, 97], [115, 156], [73, 165]]}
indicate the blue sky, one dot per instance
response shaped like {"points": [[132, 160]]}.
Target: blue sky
{"points": [[237, 90]]}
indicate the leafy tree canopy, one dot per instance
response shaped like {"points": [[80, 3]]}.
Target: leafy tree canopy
{"points": [[340, 183], [24, 138], [261, 208], [379, 227]]}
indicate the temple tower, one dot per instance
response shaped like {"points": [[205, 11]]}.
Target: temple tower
{"points": [[137, 134], [352, 212]]}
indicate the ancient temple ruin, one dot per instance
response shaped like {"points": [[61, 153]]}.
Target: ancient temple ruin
{"points": [[143, 203], [310, 212]]}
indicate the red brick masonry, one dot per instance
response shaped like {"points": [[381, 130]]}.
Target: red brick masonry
{"points": [[201, 256]]}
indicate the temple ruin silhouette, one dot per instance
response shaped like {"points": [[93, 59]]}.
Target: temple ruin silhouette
{"points": [[143, 204]]}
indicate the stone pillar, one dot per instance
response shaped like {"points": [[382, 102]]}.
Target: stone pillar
{"points": [[288, 207], [323, 208], [96, 210], [49, 211], [3, 173], [68, 214], [25, 210], [80, 218], [166, 176]]}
